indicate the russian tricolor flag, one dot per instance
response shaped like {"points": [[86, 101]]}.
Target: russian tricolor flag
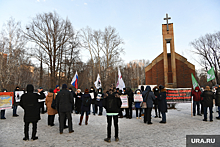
{"points": [[74, 81]]}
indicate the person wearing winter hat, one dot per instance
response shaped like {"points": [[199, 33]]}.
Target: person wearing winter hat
{"points": [[50, 111], [57, 89], [3, 110], [196, 94], [85, 107], [64, 102], [162, 103], [29, 102], [208, 97]]}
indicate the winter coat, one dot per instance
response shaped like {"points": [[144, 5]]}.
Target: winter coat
{"points": [[156, 93], [150, 98], [217, 97], [130, 96], [56, 90], [48, 102], [137, 104], [29, 102], [196, 95], [64, 101], [162, 102], [93, 101], [208, 97], [78, 101], [85, 97], [112, 104]]}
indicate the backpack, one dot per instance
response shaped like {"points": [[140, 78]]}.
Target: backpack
{"points": [[53, 105], [86, 101]]}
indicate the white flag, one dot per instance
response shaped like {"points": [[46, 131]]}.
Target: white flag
{"points": [[98, 82], [120, 83]]}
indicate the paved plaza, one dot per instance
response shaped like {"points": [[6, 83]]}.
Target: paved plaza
{"points": [[132, 132]]}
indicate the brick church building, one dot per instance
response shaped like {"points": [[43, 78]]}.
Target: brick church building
{"points": [[169, 68]]}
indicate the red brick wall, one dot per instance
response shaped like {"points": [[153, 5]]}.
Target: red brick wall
{"points": [[155, 76], [183, 73]]}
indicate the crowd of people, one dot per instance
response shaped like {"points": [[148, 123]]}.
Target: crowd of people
{"points": [[65, 101], [206, 98]]}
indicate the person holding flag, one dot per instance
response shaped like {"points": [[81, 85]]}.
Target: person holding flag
{"points": [[196, 94]]}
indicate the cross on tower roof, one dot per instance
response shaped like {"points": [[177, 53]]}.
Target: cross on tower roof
{"points": [[167, 21]]}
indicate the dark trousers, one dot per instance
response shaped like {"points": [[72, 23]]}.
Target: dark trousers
{"points": [[163, 116], [139, 112], [129, 111], [156, 108], [2, 114], [62, 119], [120, 112], [42, 107], [109, 121], [202, 109], [196, 104], [15, 109], [147, 115], [51, 119], [210, 113], [26, 129]]}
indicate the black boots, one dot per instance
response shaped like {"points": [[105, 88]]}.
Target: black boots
{"points": [[81, 118], [86, 122]]}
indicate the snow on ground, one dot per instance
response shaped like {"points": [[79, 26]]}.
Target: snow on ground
{"points": [[132, 132]]}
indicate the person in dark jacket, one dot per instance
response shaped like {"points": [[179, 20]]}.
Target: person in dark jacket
{"points": [[29, 102], [156, 93], [64, 102], [99, 100], [217, 99], [196, 94], [73, 95], [3, 110], [15, 104], [42, 103], [112, 103], [93, 100], [137, 105], [78, 101], [148, 97], [130, 100], [86, 102], [208, 97], [162, 103]]}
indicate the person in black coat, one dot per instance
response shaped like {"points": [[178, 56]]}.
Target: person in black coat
{"points": [[93, 100], [29, 102], [42, 103], [78, 101], [85, 107], [112, 103], [130, 100], [162, 103], [217, 99], [15, 104], [208, 97], [64, 102], [73, 95], [148, 97], [156, 93]]}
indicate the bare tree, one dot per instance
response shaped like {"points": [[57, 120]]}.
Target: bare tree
{"points": [[12, 48], [208, 48], [50, 33]]}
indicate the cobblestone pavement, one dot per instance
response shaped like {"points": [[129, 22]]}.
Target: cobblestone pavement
{"points": [[132, 132]]}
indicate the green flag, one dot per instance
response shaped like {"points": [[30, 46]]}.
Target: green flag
{"points": [[210, 74], [194, 82]]}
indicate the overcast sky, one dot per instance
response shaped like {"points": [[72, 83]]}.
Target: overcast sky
{"points": [[138, 22]]}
